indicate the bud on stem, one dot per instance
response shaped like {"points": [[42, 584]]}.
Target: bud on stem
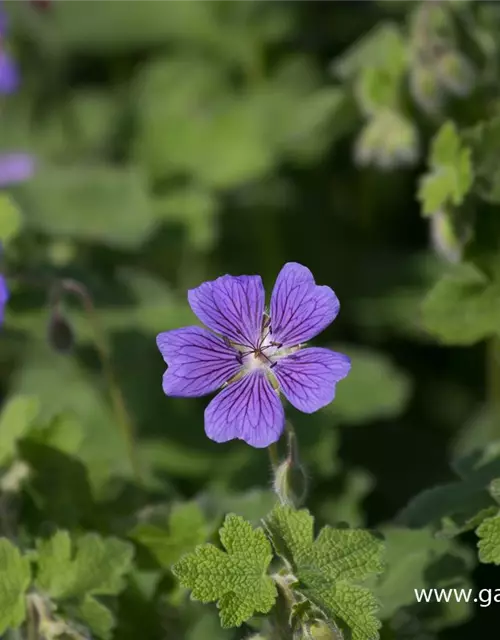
{"points": [[290, 482]]}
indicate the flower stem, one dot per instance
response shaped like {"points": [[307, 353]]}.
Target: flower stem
{"points": [[31, 621], [116, 396], [273, 455]]}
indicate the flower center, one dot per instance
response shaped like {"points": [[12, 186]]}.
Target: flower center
{"points": [[264, 356]]}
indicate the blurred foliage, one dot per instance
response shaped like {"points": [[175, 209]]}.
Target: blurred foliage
{"points": [[177, 141]]}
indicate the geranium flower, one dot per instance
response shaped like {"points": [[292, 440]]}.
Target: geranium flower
{"points": [[254, 356], [4, 296], [15, 167], [9, 75]]}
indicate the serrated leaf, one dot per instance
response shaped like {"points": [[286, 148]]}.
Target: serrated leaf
{"points": [[489, 544], [484, 139], [15, 576], [16, 419], [327, 567], [356, 606], [451, 176], [11, 220], [292, 533], [186, 528], [93, 565], [463, 307], [96, 617], [236, 578]]}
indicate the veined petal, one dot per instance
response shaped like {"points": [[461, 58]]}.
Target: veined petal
{"points": [[307, 378], [300, 309], [232, 306], [249, 409], [198, 361]]}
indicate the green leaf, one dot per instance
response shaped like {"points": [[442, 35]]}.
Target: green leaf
{"points": [[378, 89], [292, 533], [15, 578], [102, 203], [115, 27], [463, 307], [383, 47], [484, 139], [194, 208], [190, 123], [489, 544], [45, 373], [416, 559], [328, 568], [454, 505], [388, 140], [96, 617], [451, 175], [94, 565], [186, 528], [374, 389], [11, 220], [356, 606], [16, 419], [237, 578]]}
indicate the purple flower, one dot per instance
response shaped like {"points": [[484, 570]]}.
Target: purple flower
{"points": [[9, 75], [15, 167], [255, 356], [4, 296]]}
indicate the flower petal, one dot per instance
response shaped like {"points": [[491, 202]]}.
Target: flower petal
{"points": [[307, 378], [232, 306], [9, 75], [300, 309], [249, 409], [4, 296], [15, 167], [198, 361]]}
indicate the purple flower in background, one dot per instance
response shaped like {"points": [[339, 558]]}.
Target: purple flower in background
{"points": [[255, 355], [4, 296], [15, 167], [9, 76]]}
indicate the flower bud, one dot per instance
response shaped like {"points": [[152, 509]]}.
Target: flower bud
{"points": [[290, 483], [60, 333], [321, 630]]}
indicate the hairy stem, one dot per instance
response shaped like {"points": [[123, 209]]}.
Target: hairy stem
{"points": [[273, 455], [31, 621]]}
